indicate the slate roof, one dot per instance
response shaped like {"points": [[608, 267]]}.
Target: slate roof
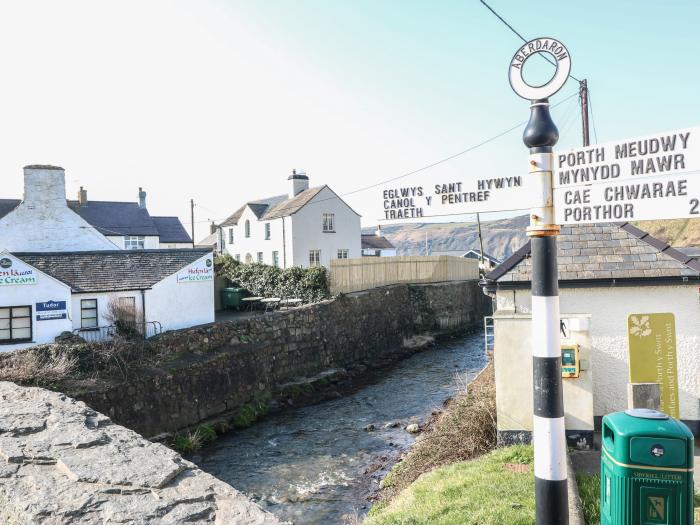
{"points": [[170, 229], [275, 207], [208, 241], [374, 242], [7, 205], [116, 218], [603, 252], [111, 270], [119, 218]]}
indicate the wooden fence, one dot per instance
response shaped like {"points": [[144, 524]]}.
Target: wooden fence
{"points": [[352, 275]]}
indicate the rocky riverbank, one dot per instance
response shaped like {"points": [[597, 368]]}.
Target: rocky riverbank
{"points": [[62, 462]]}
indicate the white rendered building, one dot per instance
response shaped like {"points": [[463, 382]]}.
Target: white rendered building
{"points": [[305, 227]]}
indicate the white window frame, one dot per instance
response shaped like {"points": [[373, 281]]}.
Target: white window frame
{"points": [[8, 310], [343, 253], [247, 229], [230, 236], [260, 258], [329, 222], [238, 257], [134, 242], [314, 258], [275, 258], [268, 231]]}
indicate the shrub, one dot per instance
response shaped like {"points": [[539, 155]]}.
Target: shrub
{"points": [[308, 284]]}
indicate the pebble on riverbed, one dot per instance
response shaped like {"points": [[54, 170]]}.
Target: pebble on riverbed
{"points": [[369, 428], [413, 428]]}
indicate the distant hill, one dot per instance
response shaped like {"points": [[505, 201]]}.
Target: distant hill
{"points": [[681, 233], [501, 237], [504, 236]]}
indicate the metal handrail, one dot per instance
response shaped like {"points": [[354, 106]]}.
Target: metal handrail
{"points": [[106, 333]]}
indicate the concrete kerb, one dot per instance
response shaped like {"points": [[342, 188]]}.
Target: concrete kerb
{"points": [[575, 505]]}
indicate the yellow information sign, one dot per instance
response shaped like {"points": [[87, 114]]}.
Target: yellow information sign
{"points": [[652, 355]]}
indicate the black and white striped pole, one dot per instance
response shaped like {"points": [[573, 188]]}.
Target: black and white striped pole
{"points": [[548, 436]]}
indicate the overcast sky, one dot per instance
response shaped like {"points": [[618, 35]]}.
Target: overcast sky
{"points": [[219, 100]]}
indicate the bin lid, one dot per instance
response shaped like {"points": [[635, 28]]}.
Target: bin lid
{"points": [[645, 413]]}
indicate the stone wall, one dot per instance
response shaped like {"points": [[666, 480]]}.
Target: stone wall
{"points": [[218, 369], [62, 462]]}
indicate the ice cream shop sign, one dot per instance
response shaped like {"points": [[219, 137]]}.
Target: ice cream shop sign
{"points": [[202, 270], [13, 272]]}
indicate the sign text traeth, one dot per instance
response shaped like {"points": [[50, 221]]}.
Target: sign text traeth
{"points": [[481, 195]]}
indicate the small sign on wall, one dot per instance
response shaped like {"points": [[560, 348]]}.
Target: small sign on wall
{"points": [[652, 355], [50, 310], [199, 271], [13, 272]]}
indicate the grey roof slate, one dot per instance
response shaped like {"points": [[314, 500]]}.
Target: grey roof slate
{"points": [[170, 229], [116, 218], [7, 205], [375, 242], [208, 242], [111, 270], [600, 252], [274, 207]]}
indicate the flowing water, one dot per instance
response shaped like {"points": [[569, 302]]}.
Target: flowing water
{"points": [[312, 465]]}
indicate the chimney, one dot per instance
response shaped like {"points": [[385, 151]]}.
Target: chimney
{"points": [[378, 233], [142, 198], [82, 196], [298, 182], [212, 227], [44, 186]]}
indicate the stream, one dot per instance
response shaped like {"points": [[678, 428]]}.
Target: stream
{"points": [[313, 465]]}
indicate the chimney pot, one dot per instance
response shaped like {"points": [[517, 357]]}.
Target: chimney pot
{"points": [[142, 198], [82, 196], [212, 227]]}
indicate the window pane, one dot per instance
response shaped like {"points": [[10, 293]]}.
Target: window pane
{"points": [[4, 334], [4, 324], [4, 313], [24, 322], [89, 323], [88, 313], [22, 333], [21, 312], [89, 303]]}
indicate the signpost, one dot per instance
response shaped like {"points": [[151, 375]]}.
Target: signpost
{"points": [[647, 178], [548, 434], [652, 355]]}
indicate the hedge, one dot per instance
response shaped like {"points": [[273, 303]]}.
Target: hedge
{"points": [[308, 284]]}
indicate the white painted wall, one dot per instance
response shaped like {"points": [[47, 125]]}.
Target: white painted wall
{"points": [[150, 242], [44, 222], [46, 289], [256, 242], [175, 245], [308, 234], [609, 309], [181, 305], [103, 299], [371, 252]]}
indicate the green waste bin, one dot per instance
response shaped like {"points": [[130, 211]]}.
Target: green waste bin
{"points": [[646, 469], [231, 298]]}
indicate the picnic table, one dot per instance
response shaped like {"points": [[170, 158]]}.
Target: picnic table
{"points": [[270, 303], [290, 303], [251, 301]]}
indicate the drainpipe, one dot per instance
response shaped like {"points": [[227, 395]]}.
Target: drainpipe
{"points": [[284, 246], [143, 312]]}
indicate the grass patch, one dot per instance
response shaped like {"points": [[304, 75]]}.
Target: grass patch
{"points": [[465, 430], [476, 492], [589, 490]]}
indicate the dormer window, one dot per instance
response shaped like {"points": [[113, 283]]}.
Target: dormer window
{"points": [[247, 228]]}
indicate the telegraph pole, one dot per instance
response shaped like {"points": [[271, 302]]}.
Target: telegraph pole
{"points": [[192, 220], [481, 243], [548, 431], [583, 96]]}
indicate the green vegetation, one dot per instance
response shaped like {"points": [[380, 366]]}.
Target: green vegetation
{"points": [[308, 284], [193, 440], [589, 490], [251, 412], [483, 491], [466, 429]]}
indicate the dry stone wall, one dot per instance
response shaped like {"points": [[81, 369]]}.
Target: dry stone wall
{"points": [[217, 369]]}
